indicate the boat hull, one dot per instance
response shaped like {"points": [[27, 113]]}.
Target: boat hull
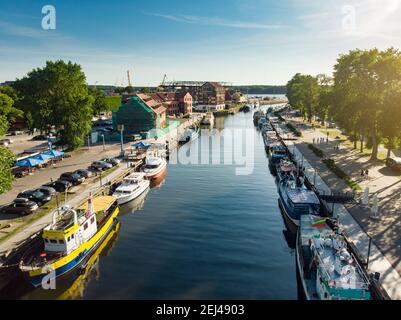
{"points": [[300, 270], [156, 174], [70, 262], [132, 196], [292, 221]]}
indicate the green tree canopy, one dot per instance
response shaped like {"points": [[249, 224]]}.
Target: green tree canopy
{"points": [[99, 101], [58, 95], [7, 159]]}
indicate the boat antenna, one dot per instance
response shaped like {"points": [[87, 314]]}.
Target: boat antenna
{"points": [[91, 209]]}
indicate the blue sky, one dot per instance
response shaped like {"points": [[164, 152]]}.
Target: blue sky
{"points": [[238, 41]]}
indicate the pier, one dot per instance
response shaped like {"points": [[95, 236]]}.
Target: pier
{"points": [[367, 251]]}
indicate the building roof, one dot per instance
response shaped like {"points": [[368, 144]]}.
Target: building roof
{"points": [[214, 84], [156, 106]]}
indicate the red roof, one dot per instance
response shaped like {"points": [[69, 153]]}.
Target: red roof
{"points": [[153, 104]]}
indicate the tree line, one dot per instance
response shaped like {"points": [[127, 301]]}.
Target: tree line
{"points": [[363, 97], [55, 96]]}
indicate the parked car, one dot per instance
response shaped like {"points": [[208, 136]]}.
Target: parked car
{"points": [[72, 177], [20, 172], [36, 196], [113, 161], [59, 185], [6, 141], [136, 137], [40, 137], [47, 190], [394, 163], [20, 206], [84, 173], [101, 165]]}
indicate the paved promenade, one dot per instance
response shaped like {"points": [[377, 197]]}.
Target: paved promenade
{"points": [[386, 232], [39, 224]]}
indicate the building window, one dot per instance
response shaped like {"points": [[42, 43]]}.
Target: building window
{"points": [[61, 241], [85, 226], [92, 220], [53, 241]]}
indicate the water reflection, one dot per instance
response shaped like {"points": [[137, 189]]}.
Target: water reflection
{"points": [[158, 183], [134, 205]]}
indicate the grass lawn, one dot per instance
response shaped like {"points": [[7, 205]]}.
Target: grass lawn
{"points": [[367, 152]]}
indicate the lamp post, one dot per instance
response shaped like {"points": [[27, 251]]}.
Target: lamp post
{"points": [[104, 145], [120, 128], [65, 196]]}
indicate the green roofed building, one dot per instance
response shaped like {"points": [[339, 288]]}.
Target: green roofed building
{"points": [[140, 114]]}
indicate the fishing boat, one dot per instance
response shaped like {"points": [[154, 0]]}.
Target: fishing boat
{"points": [[296, 200], [286, 168], [208, 119], [246, 109], [327, 268], [270, 139], [70, 240], [262, 121], [155, 167], [256, 116], [277, 152], [131, 187], [91, 270], [189, 134]]}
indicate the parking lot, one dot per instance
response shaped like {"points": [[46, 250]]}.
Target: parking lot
{"points": [[23, 143], [79, 159]]}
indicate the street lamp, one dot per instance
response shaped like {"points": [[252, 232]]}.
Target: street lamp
{"points": [[120, 128], [104, 146], [65, 197]]}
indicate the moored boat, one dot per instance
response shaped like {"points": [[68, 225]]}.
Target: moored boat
{"points": [[297, 200], [189, 134], [208, 119], [131, 187], [327, 268], [69, 240], [256, 116], [154, 167], [286, 168], [277, 152]]}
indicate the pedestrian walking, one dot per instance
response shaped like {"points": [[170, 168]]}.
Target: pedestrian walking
{"points": [[367, 172], [362, 173], [313, 140]]}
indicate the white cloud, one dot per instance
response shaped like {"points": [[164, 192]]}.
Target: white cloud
{"points": [[208, 21]]}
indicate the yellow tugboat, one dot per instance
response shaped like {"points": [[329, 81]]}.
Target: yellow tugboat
{"points": [[70, 240]]}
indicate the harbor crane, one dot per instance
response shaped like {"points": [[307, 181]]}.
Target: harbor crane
{"points": [[129, 78], [164, 80]]}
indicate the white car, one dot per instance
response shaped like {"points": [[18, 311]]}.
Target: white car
{"points": [[101, 165]]}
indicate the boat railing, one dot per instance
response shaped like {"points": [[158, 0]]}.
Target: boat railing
{"points": [[357, 284]]}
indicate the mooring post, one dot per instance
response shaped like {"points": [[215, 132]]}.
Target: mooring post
{"points": [[369, 247]]}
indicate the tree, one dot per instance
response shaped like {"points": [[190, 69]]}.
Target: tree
{"points": [[303, 94], [3, 125], [7, 108], [58, 95], [7, 159], [363, 79], [99, 101]]}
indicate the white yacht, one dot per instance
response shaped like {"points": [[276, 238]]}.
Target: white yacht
{"points": [[155, 167], [131, 187]]}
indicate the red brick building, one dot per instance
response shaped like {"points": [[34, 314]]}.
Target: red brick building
{"points": [[174, 102]]}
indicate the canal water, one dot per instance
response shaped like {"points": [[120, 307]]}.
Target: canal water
{"points": [[204, 233]]}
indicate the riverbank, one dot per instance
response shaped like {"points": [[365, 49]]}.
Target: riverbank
{"points": [[20, 229], [356, 219]]}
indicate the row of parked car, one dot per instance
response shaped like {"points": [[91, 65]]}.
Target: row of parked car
{"points": [[29, 201]]}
